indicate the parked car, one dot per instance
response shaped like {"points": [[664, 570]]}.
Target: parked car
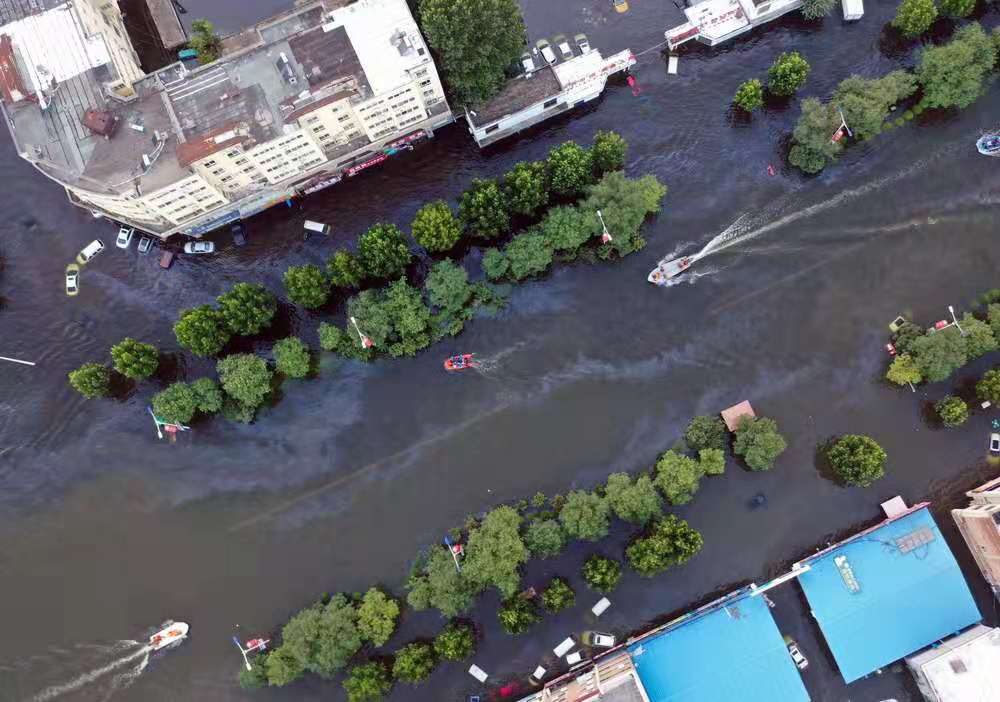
{"points": [[596, 639], [239, 233], [546, 50], [199, 247], [124, 237], [793, 650], [89, 251], [527, 63], [166, 259], [562, 44], [582, 44], [995, 444], [145, 245], [72, 279], [620, 5]]}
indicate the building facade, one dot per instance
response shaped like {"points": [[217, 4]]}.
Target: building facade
{"points": [[713, 22], [979, 524], [293, 105]]}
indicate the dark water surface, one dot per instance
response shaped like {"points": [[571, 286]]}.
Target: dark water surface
{"points": [[104, 532]]}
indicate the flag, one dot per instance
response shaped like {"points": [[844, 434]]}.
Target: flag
{"points": [[837, 135]]}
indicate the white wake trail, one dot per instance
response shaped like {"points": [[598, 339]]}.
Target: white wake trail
{"points": [[75, 684]]}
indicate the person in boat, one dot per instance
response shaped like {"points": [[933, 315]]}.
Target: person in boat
{"points": [[457, 362]]}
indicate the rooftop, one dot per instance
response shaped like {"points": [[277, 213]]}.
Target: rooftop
{"points": [[732, 415], [730, 652], [887, 592], [717, 18], [168, 23], [965, 668], [519, 93], [612, 678]]}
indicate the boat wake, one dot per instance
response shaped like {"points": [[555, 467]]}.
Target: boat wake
{"points": [[138, 659]]}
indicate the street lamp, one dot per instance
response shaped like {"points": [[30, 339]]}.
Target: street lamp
{"points": [[837, 135], [366, 343], [606, 236], [954, 319]]}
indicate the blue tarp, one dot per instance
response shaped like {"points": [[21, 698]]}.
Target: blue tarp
{"points": [[904, 601], [733, 653]]}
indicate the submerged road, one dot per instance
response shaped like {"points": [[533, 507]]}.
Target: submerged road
{"points": [[107, 532]]}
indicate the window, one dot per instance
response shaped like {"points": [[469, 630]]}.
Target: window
{"points": [[343, 118], [492, 129], [550, 103]]}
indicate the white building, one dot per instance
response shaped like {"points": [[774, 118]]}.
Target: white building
{"points": [[325, 89], [964, 668], [545, 92], [715, 21]]}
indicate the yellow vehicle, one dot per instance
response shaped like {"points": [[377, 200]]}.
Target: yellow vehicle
{"points": [[72, 279], [620, 5]]}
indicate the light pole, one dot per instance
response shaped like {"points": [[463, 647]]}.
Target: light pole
{"points": [[843, 126], [606, 236], [366, 343], [954, 319], [17, 360]]}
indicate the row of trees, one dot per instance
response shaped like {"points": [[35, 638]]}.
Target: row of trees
{"points": [[915, 17], [785, 77], [951, 75], [954, 411], [133, 359]]}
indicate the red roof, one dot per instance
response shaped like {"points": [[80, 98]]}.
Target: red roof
{"points": [[328, 100], [10, 80], [208, 144]]}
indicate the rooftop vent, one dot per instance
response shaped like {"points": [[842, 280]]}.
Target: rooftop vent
{"points": [[958, 666]]}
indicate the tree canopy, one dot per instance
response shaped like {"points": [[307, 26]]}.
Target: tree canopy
{"points": [[205, 41], [134, 359], [979, 338], [247, 308], [518, 614], [937, 355], [434, 582], [815, 9], [528, 254], [323, 637], [345, 270], [435, 227], [377, 615], [368, 682], [601, 574], [245, 378], [988, 387], [545, 538], [712, 460], [414, 662], [91, 380], [812, 147], [954, 74], [903, 370], [383, 251], [476, 41], [636, 502], [570, 169], [291, 357], [914, 17], [202, 330], [625, 203], [495, 551], [677, 476], [866, 102], [567, 229], [483, 209], [952, 410], [670, 542], [456, 642], [758, 442], [557, 596], [585, 516], [527, 188], [307, 286], [207, 395], [958, 8], [608, 152], [857, 459], [706, 431], [787, 74], [395, 318], [750, 95], [176, 404]]}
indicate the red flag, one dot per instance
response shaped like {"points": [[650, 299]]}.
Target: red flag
{"points": [[837, 135]]}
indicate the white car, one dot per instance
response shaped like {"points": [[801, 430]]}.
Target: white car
{"points": [[124, 237], [546, 50], [800, 661], [72, 279], [145, 245], [995, 444], [527, 63], [596, 639], [582, 44], [199, 247], [89, 251], [563, 46]]}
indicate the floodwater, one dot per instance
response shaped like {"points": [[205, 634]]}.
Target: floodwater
{"points": [[106, 532]]}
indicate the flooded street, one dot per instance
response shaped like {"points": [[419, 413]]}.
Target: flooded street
{"points": [[106, 532]]}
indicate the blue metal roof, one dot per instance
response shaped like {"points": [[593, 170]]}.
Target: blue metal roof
{"points": [[733, 653], [895, 593]]}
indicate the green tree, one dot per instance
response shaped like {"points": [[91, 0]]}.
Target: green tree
{"points": [[135, 359], [202, 330], [414, 662], [670, 542], [291, 357], [812, 147], [323, 637], [904, 337], [307, 286], [483, 209], [940, 353], [958, 8], [528, 254], [567, 229], [903, 370], [608, 152], [558, 596], [176, 404], [584, 516], [476, 41], [952, 410], [434, 582], [601, 574], [787, 74], [456, 642], [713, 461], [205, 41], [377, 615], [247, 308], [677, 476], [979, 338], [345, 270], [570, 169], [914, 17], [368, 682], [448, 287], [988, 388], [517, 614], [256, 677], [866, 102], [857, 460], [636, 502], [245, 378], [283, 667], [395, 318], [527, 188], [91, 380], [758, 442], [706, 431], [331, 338], [545, 538], [750, 95], [495, 264], [495, 551], [383, 252], [207, 395], [625, 204], [815, 9], [955, 74], [435, 227]]}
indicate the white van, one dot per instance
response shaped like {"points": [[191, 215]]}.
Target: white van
{"points": [[312, 227], [92, 249]]}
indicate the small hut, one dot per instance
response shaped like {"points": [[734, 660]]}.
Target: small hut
{"points": [[732, 415]]}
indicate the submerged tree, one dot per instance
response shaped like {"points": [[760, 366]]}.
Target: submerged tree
{"points": [[383, 251], [527, 187], [495, 551], [435, 227], [134, 359], [91, 380], [749, 96], [570, 169], [483, 209], [758, 442], [955, 74], [202, 330], [857, 459], [914, 17], [787, 74], [585, 516], [307, 286], [176, 404], [248, 308], [291, 357], [815, 9], [608, 152], [367, 682], [952, 410], [205, 41]]}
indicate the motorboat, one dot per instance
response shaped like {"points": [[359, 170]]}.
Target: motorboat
{"points": [[175, 633], [989, 144], [665, 270], [460, 362]]}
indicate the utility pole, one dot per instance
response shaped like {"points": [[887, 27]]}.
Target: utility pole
{"points": [[606, 236], [954, 320], [17, 360]]}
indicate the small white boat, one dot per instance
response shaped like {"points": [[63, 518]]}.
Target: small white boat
{"points": [[665, 270], [989, 144], [174, 633]]}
